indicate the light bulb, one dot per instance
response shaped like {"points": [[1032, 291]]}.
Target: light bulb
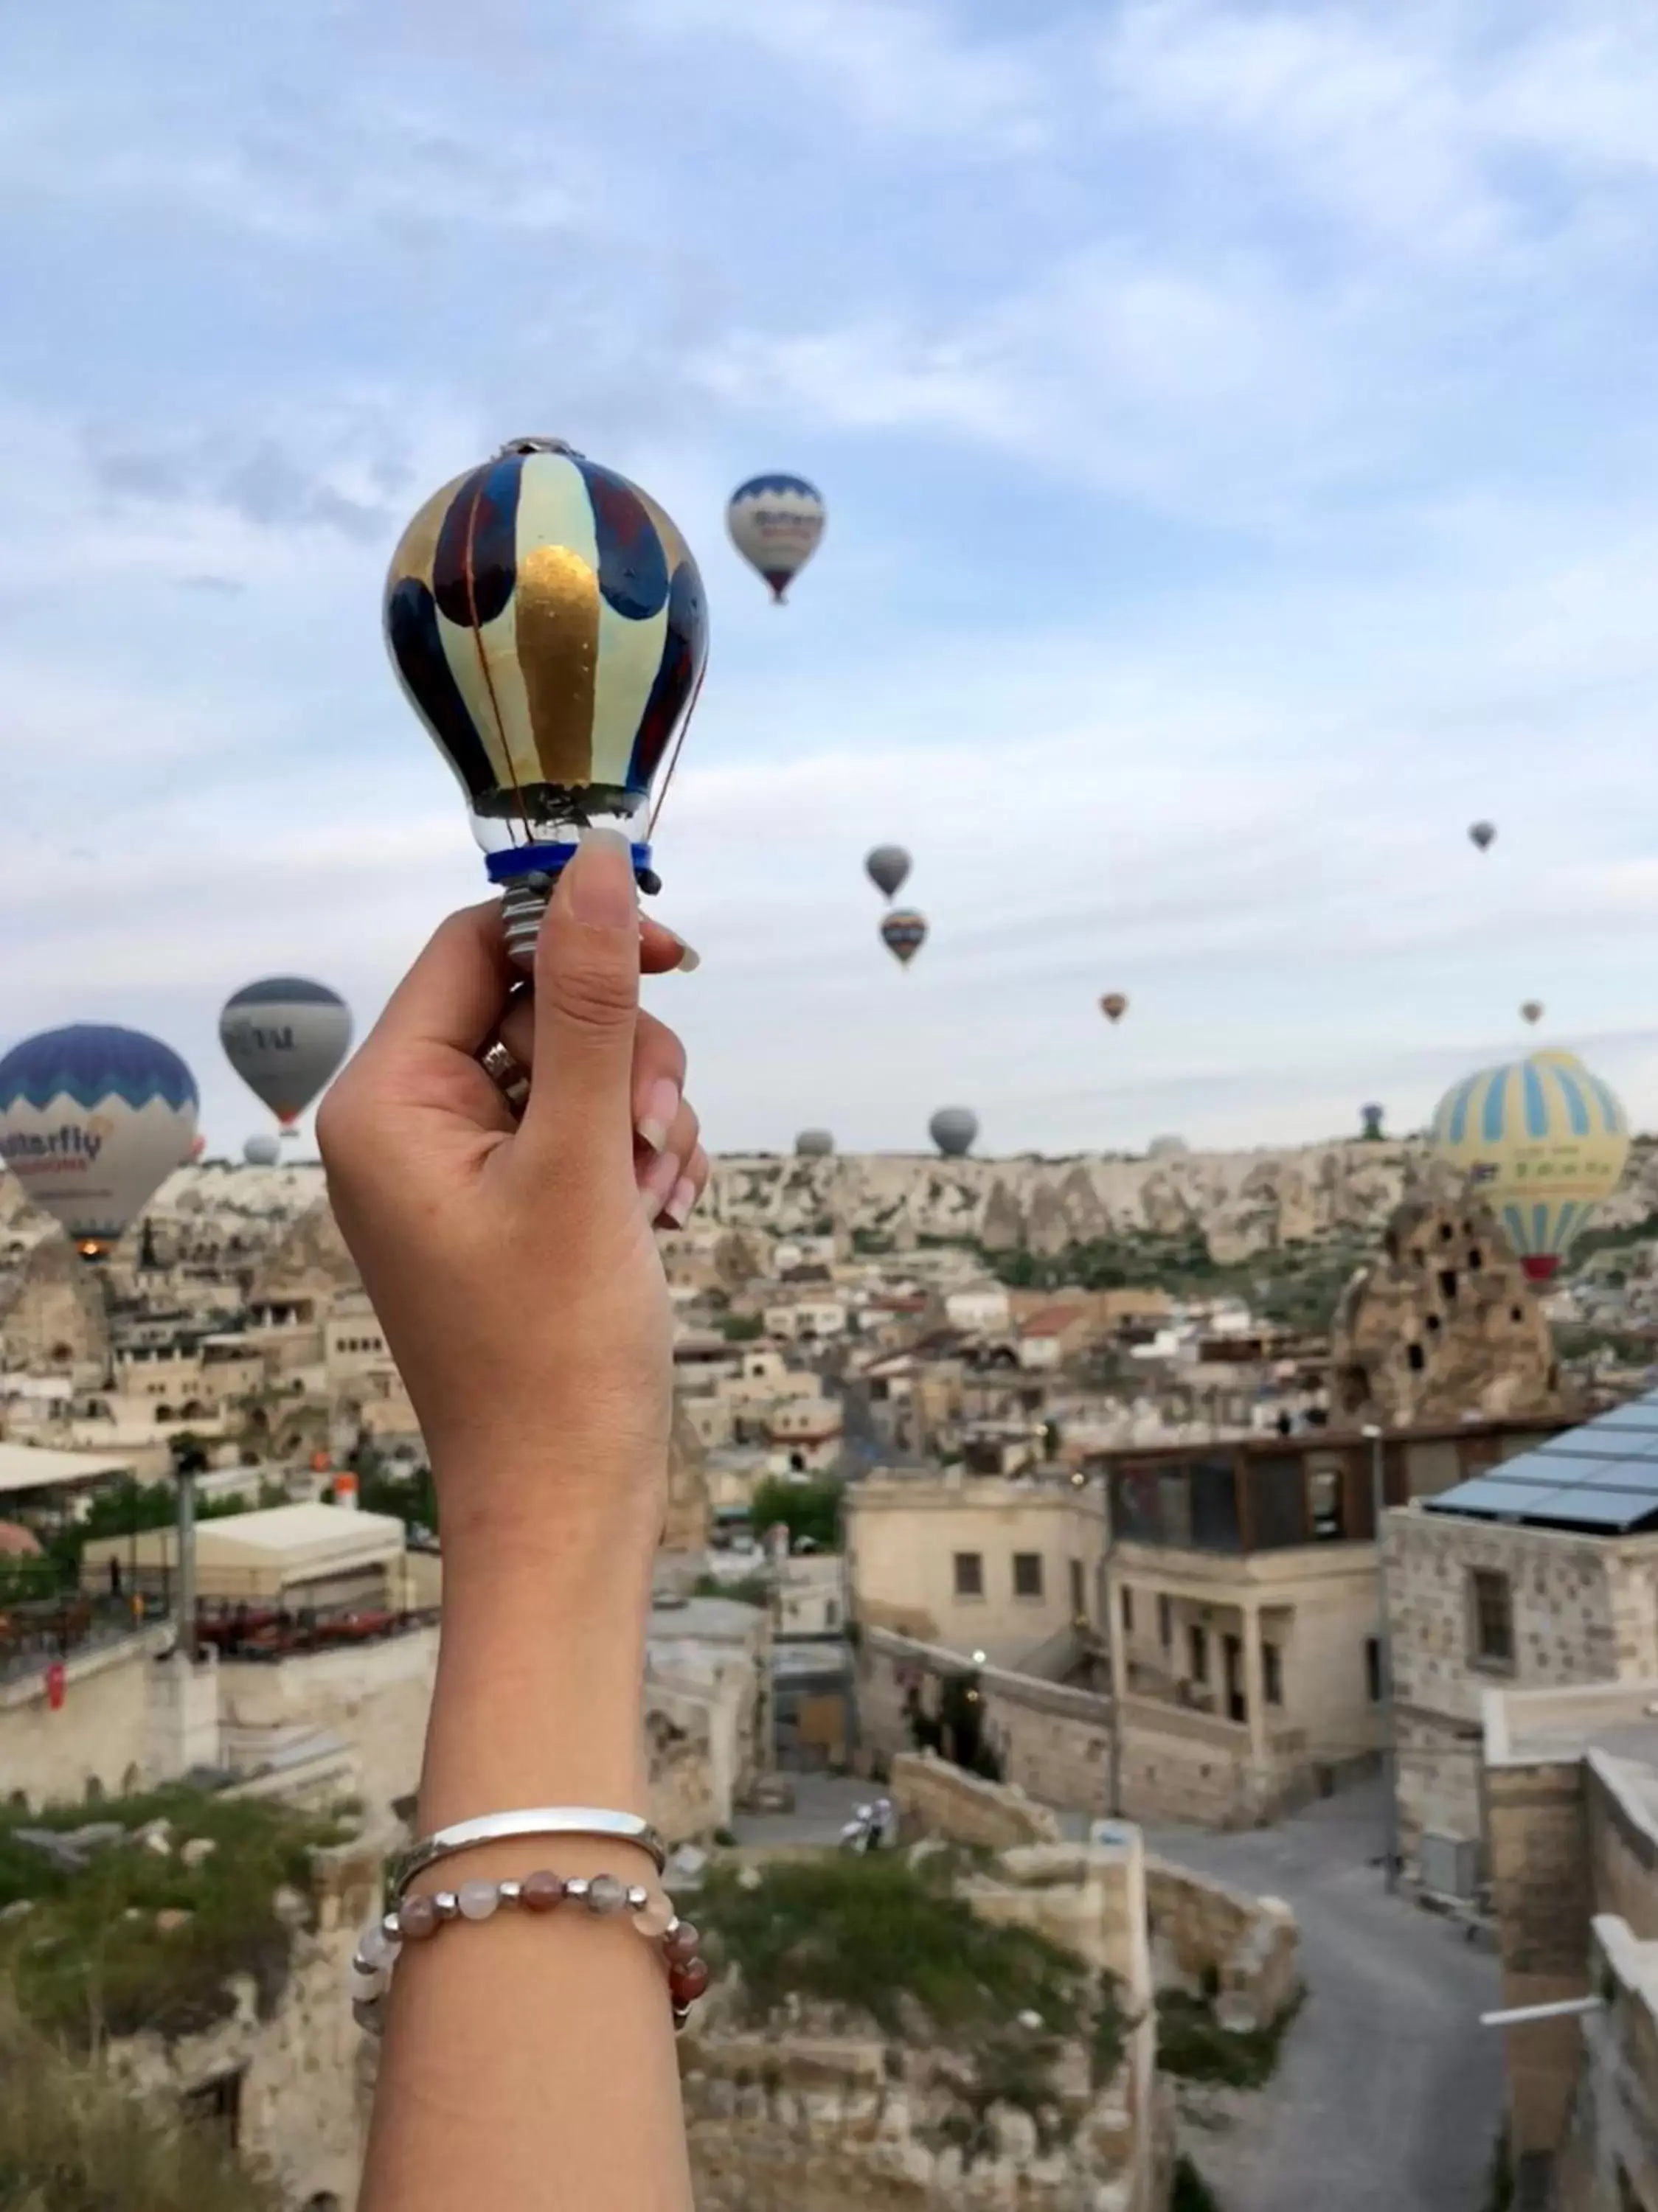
{"points": [[548, 625]]}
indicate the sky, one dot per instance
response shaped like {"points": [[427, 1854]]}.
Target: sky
{"points": [[1237, 429]]}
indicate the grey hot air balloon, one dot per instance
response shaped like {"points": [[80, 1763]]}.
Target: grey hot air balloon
{"points": [[814, 1144], [887, 867], [285, 1037], [1482, 834], [1168, 1147], [1371, 1117], [262, 1152], [953, 1129]]}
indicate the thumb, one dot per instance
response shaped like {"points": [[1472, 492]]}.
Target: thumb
{"points": [[586, 1006]]}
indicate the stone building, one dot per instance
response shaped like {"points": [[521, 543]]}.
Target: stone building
{"points": [[1570, 1779], [1541, 1573], [1442, 1325]]}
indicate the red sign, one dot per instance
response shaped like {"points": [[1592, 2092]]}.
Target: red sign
{"points": [[56, 1682]]}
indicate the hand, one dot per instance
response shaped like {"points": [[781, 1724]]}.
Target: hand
{"points": [[513, 1267]]}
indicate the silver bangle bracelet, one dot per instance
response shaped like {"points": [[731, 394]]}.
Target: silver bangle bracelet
{"points": [[591, 1820]]}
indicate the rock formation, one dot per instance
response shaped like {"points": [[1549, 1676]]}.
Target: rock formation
{"points": [[53, 1316], [1443, 1324]]}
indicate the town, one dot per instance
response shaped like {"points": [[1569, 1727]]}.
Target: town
{"points": [[1026, 1509]]}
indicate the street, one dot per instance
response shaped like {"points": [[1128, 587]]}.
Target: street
{"points": [[1388, 2092]]}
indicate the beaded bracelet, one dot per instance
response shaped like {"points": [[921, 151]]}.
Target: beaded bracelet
{"points": [[604, 1895]]}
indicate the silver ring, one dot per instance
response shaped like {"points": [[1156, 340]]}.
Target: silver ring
{"points": [[509, 1076], [590, 1820]]}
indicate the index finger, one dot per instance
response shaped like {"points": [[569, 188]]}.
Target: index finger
{"points": [[454, 992]]}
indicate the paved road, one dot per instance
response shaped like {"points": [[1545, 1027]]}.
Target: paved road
{"points": [[1388, 2092]]}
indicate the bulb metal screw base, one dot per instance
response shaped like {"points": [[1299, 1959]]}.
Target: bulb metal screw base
{"points": [[523, 902]]}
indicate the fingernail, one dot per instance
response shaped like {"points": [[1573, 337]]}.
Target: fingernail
{"points": [[678, 1209], [600, 890], [661, 1105], [661, 1184], [689, 959]]}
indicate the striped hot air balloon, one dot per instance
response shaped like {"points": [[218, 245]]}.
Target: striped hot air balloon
{"points": [[92, 1121], [904, 933], [1545, 1141], [775, 522], [548, 625]]}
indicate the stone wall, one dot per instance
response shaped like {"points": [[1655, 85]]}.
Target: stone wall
{"points": [[933, 1798], [98, 1739], [1608, 2161], [306, 2069], [52, 1316], [1207, 1936], [1541, 1899], [376, 1697]]}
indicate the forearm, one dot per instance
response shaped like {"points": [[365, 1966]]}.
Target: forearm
{"points": [[529, 2059]]}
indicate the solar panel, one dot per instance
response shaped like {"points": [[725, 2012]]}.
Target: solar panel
{"points": [[1488, 1493], [1597, 1509], [1603, 1475]]}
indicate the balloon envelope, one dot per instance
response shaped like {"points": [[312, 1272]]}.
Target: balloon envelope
{"points": [[953, 1129], [814, 1144], [904, 933], [887, 867], [1532, 1010], [1370, 1116], [285, 1037], [92, 1121], [1114, 1006], [1481, 832], [775, 522], [1170, 1147], [262, 1150], [1544, 1141]]}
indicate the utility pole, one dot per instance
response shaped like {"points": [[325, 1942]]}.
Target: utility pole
{"points": [[1373, 1434], [186, 1615]]}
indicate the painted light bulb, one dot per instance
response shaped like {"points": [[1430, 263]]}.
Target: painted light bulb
{"points": [[548, 625]]}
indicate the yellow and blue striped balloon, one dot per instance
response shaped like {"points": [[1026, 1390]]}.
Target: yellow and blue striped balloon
{"points": [[1544, 1140]]}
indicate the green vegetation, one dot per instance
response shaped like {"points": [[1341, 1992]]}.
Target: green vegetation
{"points": [[1190, 2193], [867, 1242], [741, 1328], [73, 2140], [1585, 1247], [412, 1498], [87, 1958], [891, 1941], [1193, 2045], [126, 1507], [810, 1511], [1295, 1284]]}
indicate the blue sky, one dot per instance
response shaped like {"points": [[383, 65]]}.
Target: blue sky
{"points": [[1237, 426]]}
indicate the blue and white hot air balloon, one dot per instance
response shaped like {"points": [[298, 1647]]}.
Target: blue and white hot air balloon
{"points": [[92, 1121], [1544, 1141], [775, 522]]}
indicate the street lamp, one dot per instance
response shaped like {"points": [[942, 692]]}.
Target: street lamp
{"points": [[1372, 1436]]}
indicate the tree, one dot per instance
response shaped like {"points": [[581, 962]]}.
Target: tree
{"points": [[742, 1328], [810, 1511]]}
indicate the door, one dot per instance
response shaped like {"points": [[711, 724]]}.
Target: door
{"points": [[1237, 1704]]}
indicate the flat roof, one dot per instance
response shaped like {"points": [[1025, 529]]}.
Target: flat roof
{"points": [[38, 1466], [287, 1538]]}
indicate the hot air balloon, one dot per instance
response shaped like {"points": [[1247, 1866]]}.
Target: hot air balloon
{"points": [[285, 1038], [548, 625], [92, 1121], [1167, 1148], [814, 1144], [197, 1146], [1532, 1010], [953, 1129], [775, 523], [904, 933], [1114, 1006], [1482, 834], [1544, 1140], [262, 1151], [887, 867], [1370, 1116]]}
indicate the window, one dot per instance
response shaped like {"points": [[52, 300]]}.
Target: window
{"points": [[970, 1574], [1079, 1602], [1165, 1622], [1373, 1668], [1128, 1611], [1198, 1643], [1027, 1574], [1272, 1673], [1415, 1358], [1324, 1500], [830, 1614], [1491, 1623], [1476, 1259], [1448, 1283]]}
